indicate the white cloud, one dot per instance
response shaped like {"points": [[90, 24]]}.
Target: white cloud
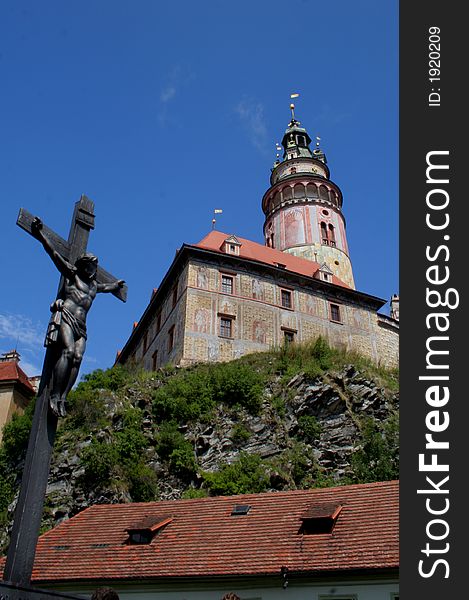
{"points": [[176, 81], [30, 368], [251, 115], [21, 333], [168, 93], [21, 330]]}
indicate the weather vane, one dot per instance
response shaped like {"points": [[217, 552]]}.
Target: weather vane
{"points": [[217, 211], [292, 106]]}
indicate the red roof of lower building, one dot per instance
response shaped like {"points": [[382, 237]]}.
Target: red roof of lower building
{"points": [[11, 371], [201, 537], [254, 251]]}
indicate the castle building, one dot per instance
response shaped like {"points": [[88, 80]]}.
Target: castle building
{"points": [[227, 296]]}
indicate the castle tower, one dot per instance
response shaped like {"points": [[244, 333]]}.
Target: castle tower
{"points": [[303, 207]]}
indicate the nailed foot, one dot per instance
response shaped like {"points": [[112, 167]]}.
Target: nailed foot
{"points": [[57, 405]]}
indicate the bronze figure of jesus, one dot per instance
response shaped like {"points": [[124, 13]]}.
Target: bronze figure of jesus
{"points": [[67, 327]]}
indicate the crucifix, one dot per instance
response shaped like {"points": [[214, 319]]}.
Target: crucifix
{"points": [[81, 279]]}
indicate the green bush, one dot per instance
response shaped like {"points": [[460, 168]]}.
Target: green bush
{"points": [[99, 460], [377, 452], [311, 358], [84, 411], [111, 379], [279, 405], [240, 434], [168, 439], [247, 475], [194, 493], [182, 461], [173, 447], [235, 383], [16, 434], [296, 465], [185, 397], [143, 483], [309, 429], [6, 482]]}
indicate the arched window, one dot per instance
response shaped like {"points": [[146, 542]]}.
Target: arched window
{"points": [[324, 238], [331, 235], [287, 193], [311, 191], [323, 193], [277, 199], [299, 190], [301, 140]]}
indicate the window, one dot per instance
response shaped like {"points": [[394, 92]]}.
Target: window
{"points": [[324, 233], [171, 339], [154, 360], [286, 298], [226, 284], [226, 327], [335, 313], [328, 234], [288, 336], [158, 322], [145, 342], [175, 296]]}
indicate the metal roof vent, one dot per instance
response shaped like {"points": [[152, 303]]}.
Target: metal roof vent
{"points": [[145, 530], [319, 518]]}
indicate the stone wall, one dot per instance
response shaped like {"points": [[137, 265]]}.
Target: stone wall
{"points": [[169, 315]]}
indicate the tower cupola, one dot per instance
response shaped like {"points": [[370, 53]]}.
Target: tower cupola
{"points": [[303, 207]]}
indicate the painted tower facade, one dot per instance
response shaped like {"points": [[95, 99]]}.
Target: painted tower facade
{"points": [[303, 207]]}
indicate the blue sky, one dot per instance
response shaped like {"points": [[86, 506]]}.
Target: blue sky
{"points": [[161, 112]]}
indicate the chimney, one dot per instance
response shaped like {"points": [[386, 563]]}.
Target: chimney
{"points": [[395, 307]]}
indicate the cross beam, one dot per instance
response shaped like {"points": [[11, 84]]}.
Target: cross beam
{"points": [[83, 216]]}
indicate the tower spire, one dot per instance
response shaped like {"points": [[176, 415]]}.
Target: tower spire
{"points": [[303, 207]]}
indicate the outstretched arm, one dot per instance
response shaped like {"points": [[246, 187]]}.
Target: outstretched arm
{"points": [[59, 261], [111, 287]]}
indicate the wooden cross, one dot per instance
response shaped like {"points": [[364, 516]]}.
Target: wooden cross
{"points": [[82, 223], [28, 514]]}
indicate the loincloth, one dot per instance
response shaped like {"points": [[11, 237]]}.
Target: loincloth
{"points": [[61, 313]]}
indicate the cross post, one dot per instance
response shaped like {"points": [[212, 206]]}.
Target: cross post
{"points": [[28, 514]]}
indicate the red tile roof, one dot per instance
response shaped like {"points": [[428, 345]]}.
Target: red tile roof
{"points": [[254, 251], [11, 371], [203, 539]]}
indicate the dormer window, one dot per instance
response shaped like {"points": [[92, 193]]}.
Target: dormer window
{"points": [[324, 273], [319, 518], [145, 530], [231, 245]]}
